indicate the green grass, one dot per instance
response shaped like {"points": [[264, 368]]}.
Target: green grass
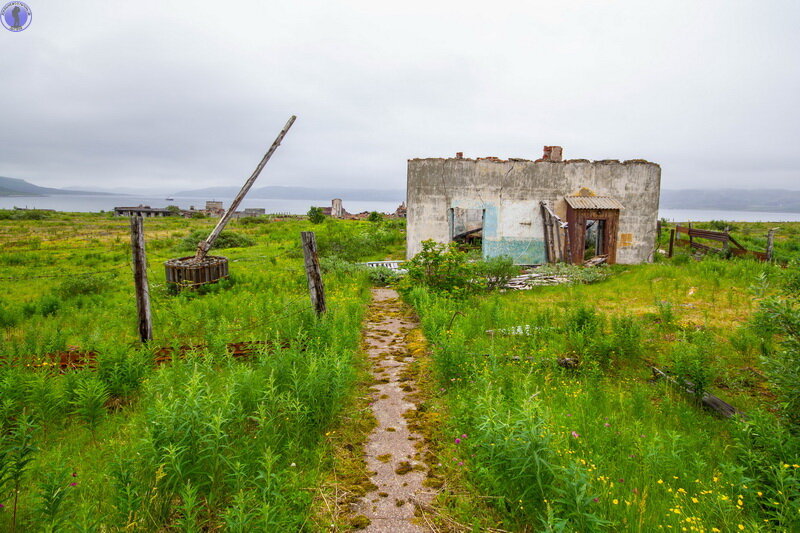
{"points": [[601, 447], [202, 442]]}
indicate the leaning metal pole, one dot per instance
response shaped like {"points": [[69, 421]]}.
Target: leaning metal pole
{"points": [[204, 246]]}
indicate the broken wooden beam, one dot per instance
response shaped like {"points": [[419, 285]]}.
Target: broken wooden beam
{"points": [[709, 401]]}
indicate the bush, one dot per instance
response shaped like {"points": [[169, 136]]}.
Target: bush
{"points": [[375, 217], [441, 268], [497, 271], [226, 239], [692, 361], [315, 215], [783, 368], [382, 276]]}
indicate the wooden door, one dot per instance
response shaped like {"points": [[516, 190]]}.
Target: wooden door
{"points": [[576, 226]]}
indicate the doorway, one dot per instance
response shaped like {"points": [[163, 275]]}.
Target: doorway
{"points": [[466, 228], [592, 233]]}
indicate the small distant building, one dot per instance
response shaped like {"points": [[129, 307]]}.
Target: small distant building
{"points": [[214, 208], [143, 211], [254, 211], [337, 211]]}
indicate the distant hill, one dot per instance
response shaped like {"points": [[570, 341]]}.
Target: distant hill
{"points": [[18, 187], [302, 193], [773, 200]]}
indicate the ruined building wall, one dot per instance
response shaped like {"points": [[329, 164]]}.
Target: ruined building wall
{"points": [[510, 192]]}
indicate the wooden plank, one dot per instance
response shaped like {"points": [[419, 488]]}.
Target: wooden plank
{"points": [[205, 246], [313, 273], [145, 320], [709, 401]]}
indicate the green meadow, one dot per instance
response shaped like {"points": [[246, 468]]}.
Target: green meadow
{"points": [[540, 406], [204, 441]]}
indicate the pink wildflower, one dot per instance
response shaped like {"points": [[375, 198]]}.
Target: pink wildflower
{"points": [[575, 434]]}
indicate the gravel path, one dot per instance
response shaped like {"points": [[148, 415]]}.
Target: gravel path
{"points": [[390, 449]]}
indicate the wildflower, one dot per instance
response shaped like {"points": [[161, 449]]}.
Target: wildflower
{"points": [[293, 465], [660, 482], [73, 484], [463, 435], [695, 500], [595, 500], [458, 441], [760, 493], [74, 474], [741, 527], [607, 425], [460, 463], [615, 501], [575, 434]]}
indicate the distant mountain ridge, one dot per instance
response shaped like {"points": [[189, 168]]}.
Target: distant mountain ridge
{"points": [[302, 193], [18, 187], [770, 200]]}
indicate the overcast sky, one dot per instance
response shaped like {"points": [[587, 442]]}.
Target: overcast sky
{"points": [[185, 94]]}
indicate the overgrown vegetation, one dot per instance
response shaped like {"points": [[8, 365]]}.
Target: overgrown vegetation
{"points": [[205, 441], [555, 420]]}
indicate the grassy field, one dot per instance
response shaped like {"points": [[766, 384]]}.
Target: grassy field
{"points": [[205, 441], [600, 445], [208, 441]]}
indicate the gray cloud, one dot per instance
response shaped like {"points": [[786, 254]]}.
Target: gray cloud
{"points": [[185, 94]]}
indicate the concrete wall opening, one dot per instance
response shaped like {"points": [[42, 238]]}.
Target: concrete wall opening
{"points": [[466, 227]]}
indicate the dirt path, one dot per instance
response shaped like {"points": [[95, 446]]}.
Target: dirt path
{"points": [[390, 449]]}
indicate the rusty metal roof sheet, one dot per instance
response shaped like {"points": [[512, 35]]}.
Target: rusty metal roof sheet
{"points": [[593, 202]]}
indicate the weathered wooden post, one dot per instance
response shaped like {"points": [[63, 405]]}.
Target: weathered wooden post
{"points": [[140, 280], [193, 271], [771, 243], [671, 242], [315, 287]]}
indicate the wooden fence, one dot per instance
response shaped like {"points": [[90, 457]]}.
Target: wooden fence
{"points": [[728, 245]]}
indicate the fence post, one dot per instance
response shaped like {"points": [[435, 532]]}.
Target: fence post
{"points": [[313, 274], [770, 243], [691, 239], [140, 280], [671, 241]]}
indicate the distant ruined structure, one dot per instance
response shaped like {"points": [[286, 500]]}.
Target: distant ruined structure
{"points": [[539, 211]]}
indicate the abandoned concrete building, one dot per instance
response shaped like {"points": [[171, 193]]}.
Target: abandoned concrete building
{"points": [[547, 210]]}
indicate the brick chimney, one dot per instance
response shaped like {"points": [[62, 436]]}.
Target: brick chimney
{"points": [[552, 153], [459, 155]]}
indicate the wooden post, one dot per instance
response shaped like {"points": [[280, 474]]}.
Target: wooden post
{"points": [[315, 287], [726, 244], [671, 242], [771, 243], [204, 246], [140, 280], [691, 239]]}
